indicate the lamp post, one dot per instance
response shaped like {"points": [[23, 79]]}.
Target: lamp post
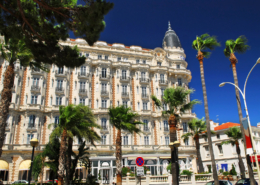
{"points": [[247, 114], [174, 157], [34, 143]]}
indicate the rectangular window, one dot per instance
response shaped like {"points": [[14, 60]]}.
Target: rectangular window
{"points": [[159, 64], [220, 149], [82, 101], [104, 123], [184, 127], [106, 57], [179, 82], [145, 106], [32, 121], [82, 86], [142, 76], [186, 141], [146, 140], [104, 103], [144, 61], [34, 99], [164, 106], [144, 90], [162, 92], [137, 61], [178, 66], [103, 139], [125, 103], [29, 137], [145, 125], [104, 73], [124, 89], [99, 56], [118, 58], [167, 140], [162, 78], [58, 100], [165, 125], [123, 74], [218, 136], [59, 84], [60, 70], [125, 140], [103, 87], [35, 82], [83, 70], [125, 59], [87, 54]]}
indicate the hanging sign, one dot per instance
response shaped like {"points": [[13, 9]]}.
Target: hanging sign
{"points": [[249, 148]]}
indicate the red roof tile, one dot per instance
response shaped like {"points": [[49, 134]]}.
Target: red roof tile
{"points": [[226, 125]]}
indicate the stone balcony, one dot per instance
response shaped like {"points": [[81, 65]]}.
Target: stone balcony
{"points": [[35, 89], [125, 95], [125, 78], [83, 92], [104, 93], [83, 75], [145, 96], [104, 77], [59, 90], [37, 72], [163, 82], [144, 80], [31, 128], [61, 73]]}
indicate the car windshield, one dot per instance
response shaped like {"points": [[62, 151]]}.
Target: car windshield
{"points": [[242, 181], [209, 183]]}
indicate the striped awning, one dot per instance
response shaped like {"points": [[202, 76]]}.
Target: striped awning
{"points": [[4, 165], [25, 165]]}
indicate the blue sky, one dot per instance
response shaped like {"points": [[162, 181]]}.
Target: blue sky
{"points": [[145, 22]]}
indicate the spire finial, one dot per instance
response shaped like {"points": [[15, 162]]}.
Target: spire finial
{"points": [[169, 26]]}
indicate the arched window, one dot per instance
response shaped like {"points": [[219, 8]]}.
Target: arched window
{"points": [[32, 121]]}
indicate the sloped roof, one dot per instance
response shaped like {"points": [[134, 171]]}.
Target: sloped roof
{"points": [[226, 125]]}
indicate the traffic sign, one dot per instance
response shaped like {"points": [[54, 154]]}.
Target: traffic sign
{"points": [[139, 161], [139, 171]]}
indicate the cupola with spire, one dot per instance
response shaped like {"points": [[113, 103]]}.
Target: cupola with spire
{"points": [[171, 39]]}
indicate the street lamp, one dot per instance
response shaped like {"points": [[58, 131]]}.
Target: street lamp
{"points": [[247, 115], [174, 157], [34, 143]]}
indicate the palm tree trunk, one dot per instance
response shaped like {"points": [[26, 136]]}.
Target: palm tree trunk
{"points": [[214, 169], [173, 137], [118, 158], [233, 61], [62, 157], [240, 161], [198, 159], [68, 171], [6, 97]]}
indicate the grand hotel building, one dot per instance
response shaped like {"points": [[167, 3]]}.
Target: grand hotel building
{"points": [[113, 74]]}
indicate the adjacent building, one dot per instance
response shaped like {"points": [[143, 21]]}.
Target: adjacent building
{"points": [[113, 74]]}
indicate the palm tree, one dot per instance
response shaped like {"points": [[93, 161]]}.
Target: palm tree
{"points": [[240, 46], [197, 127], [76, 121], [11, 50], [203, 44], [235, 135], [176, 100], [122, 118]]}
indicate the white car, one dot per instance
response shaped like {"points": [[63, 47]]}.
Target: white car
{"points": [[221, 182], [20, 182]]}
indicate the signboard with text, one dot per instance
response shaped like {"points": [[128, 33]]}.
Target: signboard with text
{"points": [[139, 171]]}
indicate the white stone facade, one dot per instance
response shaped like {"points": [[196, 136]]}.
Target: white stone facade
{"points": [[112, 75]]}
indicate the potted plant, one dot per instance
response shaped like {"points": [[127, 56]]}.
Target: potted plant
{"points": [[225, 175], [233, 172], [220, 176]]}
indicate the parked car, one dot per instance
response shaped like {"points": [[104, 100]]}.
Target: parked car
{"points": [[50, 181], [245, 181], [20, 182], [221, 182]]}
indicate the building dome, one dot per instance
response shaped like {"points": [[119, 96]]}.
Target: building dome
{"points": [[171, 39]]}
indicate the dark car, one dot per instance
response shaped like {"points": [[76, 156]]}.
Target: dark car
{"points": [[50, 181], [221, 182], [244, 182]]}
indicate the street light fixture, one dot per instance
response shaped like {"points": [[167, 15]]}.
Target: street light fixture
{"points": [[174, 157], [34, 143], [247, 114]]}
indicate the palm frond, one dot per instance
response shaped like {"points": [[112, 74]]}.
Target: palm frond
{"points": [[157, 102], [186, 136]]}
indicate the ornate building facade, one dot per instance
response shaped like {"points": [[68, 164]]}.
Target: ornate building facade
{"points": [[113, 74]]}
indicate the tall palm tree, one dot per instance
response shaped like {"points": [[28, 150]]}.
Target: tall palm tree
{"points": [[235, 135], [203, 44], [11, 51], [197, 127], [122, 118], [240, 46], [75, 120], [176, 101]]}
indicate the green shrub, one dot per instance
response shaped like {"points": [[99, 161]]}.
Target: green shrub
{"points": [[125, 170], [186, 172], [220, 171], [233, 171], [225, 173], [169, 167]]}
